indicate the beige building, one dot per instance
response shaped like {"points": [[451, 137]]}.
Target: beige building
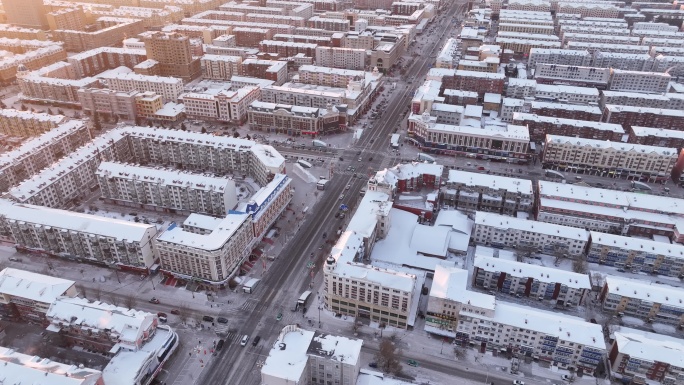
{"points": [[109, 32], [330, 77], [27, 296], [647, 301], [598, 157], [334, 57], [25, 13], [170, 88], [27, 124], [293, 120], [172, 51], [226, 106], [31, 59], [72, 19], [220, 67], [108, 103]]}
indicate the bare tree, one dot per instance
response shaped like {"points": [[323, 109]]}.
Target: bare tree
{"points": [[129, 301], [97, 293], [81, 290], [579, 265], [355, 324], [183, 312], [113, 299], [460, 352], [388, 357]]}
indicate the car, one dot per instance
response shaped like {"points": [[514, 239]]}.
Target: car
{"points": [[360, 159], [161, 314], [358, 153], [175, 311], [222, 320], [219, 345], [566, 377], [162, 319], [154, 300], [341, 196], [413, 363], [354, 176], [373, 364], [244, 340], [325, 235], [518, 382], [208, 318], [14, 259], [593, 320], [279, 316], [337, 214], [348, 186], [256, 340], [370, 159]]}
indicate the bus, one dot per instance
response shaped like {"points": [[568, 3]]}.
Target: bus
{"points": [[321, 184], [303, 301], [426, 158], [304, 163], [394, 140]]}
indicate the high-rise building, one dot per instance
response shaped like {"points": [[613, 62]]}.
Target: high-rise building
{"points": [[26, 13], [172, 51]]}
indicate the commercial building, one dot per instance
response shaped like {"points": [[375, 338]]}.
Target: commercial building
{"points": [[299, 356], [173, 52], [540, 126], [26, 296], [650, 302], [36, 154], [166, 190], [293, 120], [470, 191], [18, 368], [100, 326], [501, 231], [606, 158], [530, 280], [642, 356], [81, 237]]}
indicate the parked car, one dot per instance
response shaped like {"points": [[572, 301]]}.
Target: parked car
{"points": [[567, 377], [154, 300], [219, 346], [279, 316], [222, 320], [518, 382], [208, 318], [373, 364], [413, 363], [481, 168], [256, 340], [161, 314], [175, 311]]}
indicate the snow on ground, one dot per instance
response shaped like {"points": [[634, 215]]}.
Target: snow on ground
{"points": [[612, 270], [304, 174]]}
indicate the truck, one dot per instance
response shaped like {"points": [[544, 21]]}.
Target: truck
{"points": [[321, 184], [394, 140], [250, 285], [303, 301]]}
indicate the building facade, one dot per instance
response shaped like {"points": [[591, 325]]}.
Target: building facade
{"points": [[469, 191], [27, 296], [650, 302]]}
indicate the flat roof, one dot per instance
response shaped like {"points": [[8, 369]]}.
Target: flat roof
{"points": [[164, 176], [605, 144], [671, 250], [450, 283], [220, 235], [645, 291], [18, 369], [473, 179], [523, 116], [506, 222], [650, 347]]}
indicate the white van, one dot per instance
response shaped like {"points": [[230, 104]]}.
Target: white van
{"points": [[244, 340]]}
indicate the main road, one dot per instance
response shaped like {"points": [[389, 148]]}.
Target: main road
{"points": [[288, 277]]}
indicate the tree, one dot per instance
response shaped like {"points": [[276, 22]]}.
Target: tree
{"points": [[182, 127], [204, 130], [60, 111], [236, 134], [387, 357], [113, 299], [459, 351], [97, 125], [183, 312], [23, 107], [247, 137], [579, 265], [2, 104], [49, 111], [129, 301], [97, 293], [77, 115]]}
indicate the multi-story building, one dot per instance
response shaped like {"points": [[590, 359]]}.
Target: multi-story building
{"points": [[576, 75], [286, 48], [609, 158], [567, 94], [567, 57], [623, 61], [643, 116], [529, 280], [523, 46], [342, 25], [220, 67], [168, 87], [607, 47], [671, 101], [636, 254], [609, 211], [67, 18], [173, 52], [26, 123], [595, 9], [637, 81], [329, 77], [27, 296], [480, 82], [650, 302], [14, 32], [479, 320], [226, 106], [642, 356], [93, 62], [274, 70], [521, 88], [472, 192], [301, 356], [502, 231], [36, 154], [31, 60], [29, 14], [413, 176], [567, 110], [529, 5], [251, 37], [499, 142], [109, 103], [540, 126], [335, 57], [656, 137], [171, 190], [293, 120], [18, 368], [100, 326], [365, 291], [109, 31], [79, 236]]}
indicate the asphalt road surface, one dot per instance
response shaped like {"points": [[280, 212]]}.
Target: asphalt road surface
{"points": [[288, 276]]}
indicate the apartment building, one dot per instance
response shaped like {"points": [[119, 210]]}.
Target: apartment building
{"points": [[642, 356], [523, 46], [226, 106], [607, 47], [458, 97], [529, 5], [293, 120], [93, 62], [567, 94], [566, 110], [539, 126], [671, 101], [472, 192], [301, 356], [521, 88], [20, 367], [493, 142], [329, 77], [26, 296], [599, 38], [173, 52], [100, 326], [575, 75], [566, 57], [480, 82], [80, 237], [220, 67], [325, 41], [109, 31], [336, 57], [609, 211], [636, 254], [31, 59], [623, 61], [169, 88], [478, 320], [274, 70], [67, 18], [647, 301], [250, 37], [27, 124], [502, 231], [341, 25], [526, 28], [643, 116], [109, 103], [286, 48], [637, 81], [38, 153], [29, 14], [659, 137], [156, 188], [14, 32], [609, 158], [530, 280], [602, 10]]}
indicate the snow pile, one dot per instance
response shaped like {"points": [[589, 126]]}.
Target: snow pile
{"points": [[304, 174]]}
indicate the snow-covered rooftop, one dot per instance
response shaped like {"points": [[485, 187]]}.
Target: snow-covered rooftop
{"points": [[164, 176], [523, 116], [536, 272], [505, 222], [219, 236], [450, 283], [672, 250], [645, 291], [473, 179], [32, 286], [650, 347], [19, 369]]}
